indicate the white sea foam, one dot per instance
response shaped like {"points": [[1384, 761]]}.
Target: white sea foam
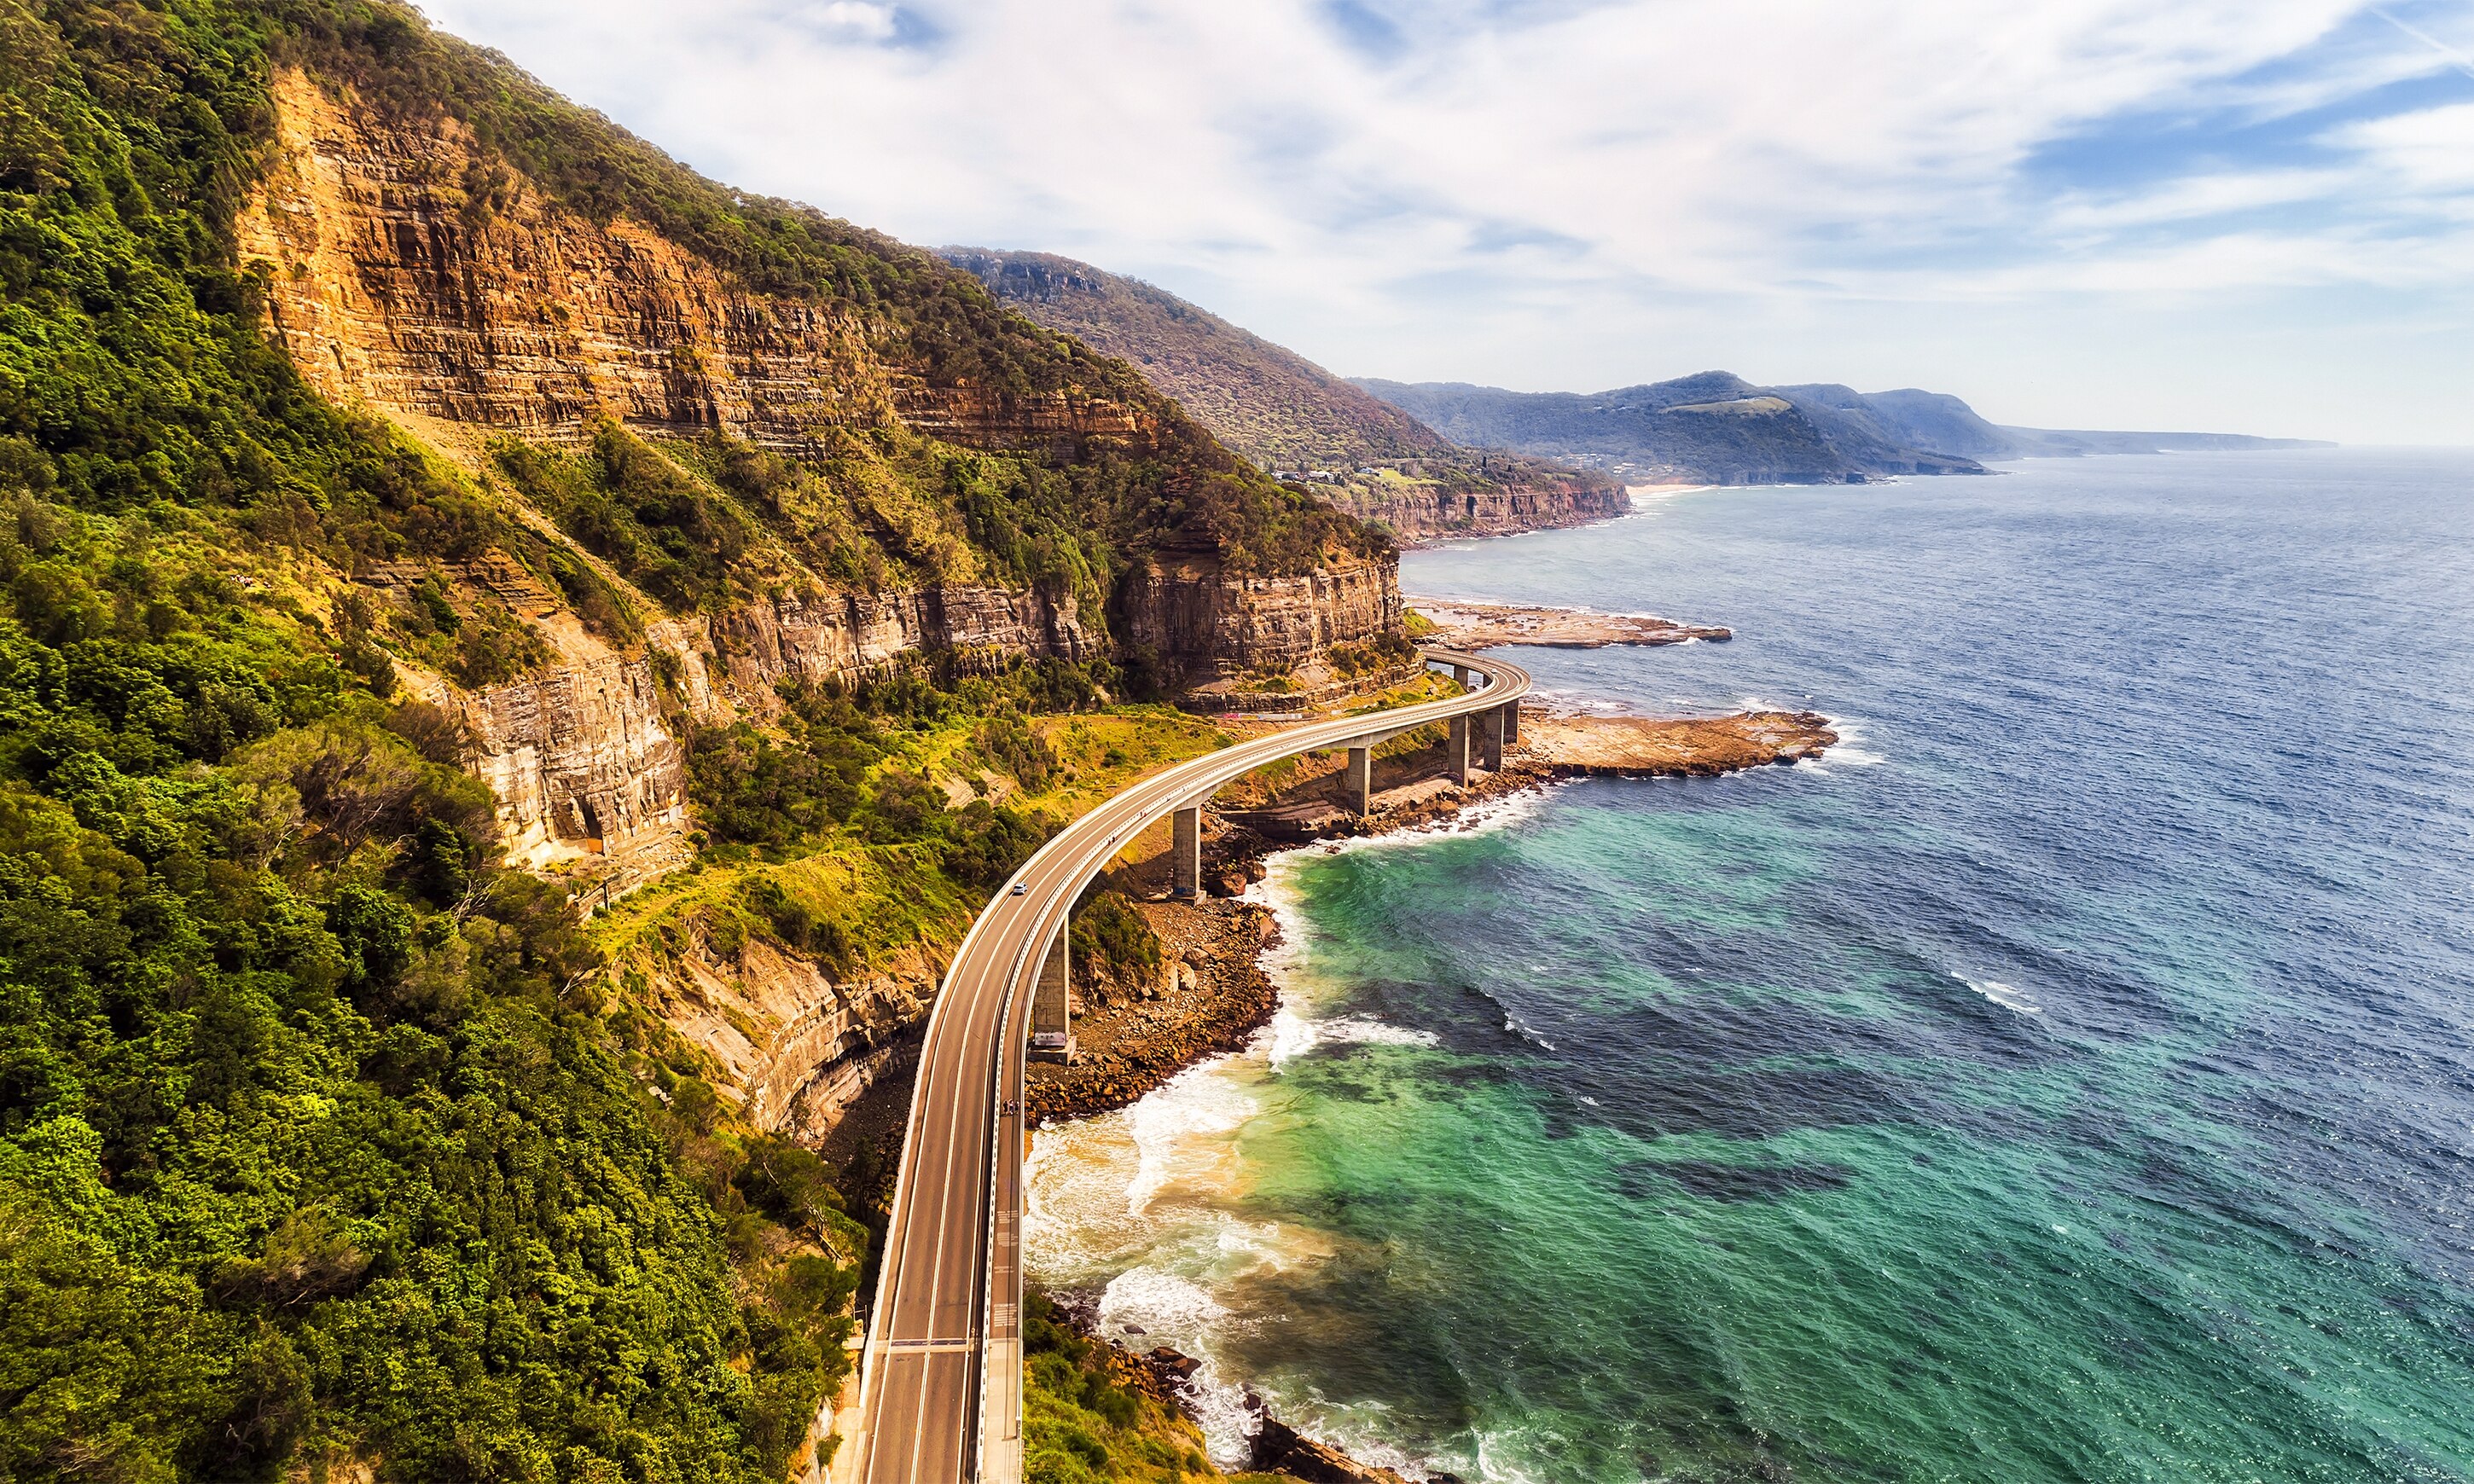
{"points": [[2008, 997], [1514, 1023], [1293, 1034], [1847, 752], [1154, 1300], [1178, 1133]]}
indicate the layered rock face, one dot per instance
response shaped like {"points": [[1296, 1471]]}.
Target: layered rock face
{"points": [[845, 634], [409, 274], [1501, 510], [583, 764], [580, 761], [791, 1046], [409, 270], [1207, 625]]}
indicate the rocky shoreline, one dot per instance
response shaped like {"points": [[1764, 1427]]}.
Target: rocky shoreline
{"points": [[1166, 1376], [1210, 993], [1488, 625], [1209, 998]]}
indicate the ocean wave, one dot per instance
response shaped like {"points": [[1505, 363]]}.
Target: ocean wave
{"points": [[1173, 1131], [1514, 1023], [1293, 1034], [1154, 1299], [1847, 752], [2007, 996]]}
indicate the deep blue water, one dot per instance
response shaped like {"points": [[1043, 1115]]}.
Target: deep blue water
{"points": [[2072, 1079]]}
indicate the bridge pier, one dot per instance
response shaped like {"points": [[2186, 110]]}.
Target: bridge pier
{"points": [[1511, 722], [1357, 782], [1460, 675], [1456, 749], [1186, 850], [1491, 731], [1052, 1004]]}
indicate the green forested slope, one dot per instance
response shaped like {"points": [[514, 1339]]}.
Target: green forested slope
{"points": [[309, 1145], [319, 1144]]}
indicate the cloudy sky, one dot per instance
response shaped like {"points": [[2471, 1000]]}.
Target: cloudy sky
{"points": [[2240, 215]]}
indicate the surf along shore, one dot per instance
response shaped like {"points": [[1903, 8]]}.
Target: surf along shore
{"points": [[1211, 995]]}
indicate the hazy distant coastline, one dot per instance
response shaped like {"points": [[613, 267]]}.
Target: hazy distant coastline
{"points": [[1717, 428]]}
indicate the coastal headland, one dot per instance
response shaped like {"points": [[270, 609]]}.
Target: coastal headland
{"points": [[1478, 626]]}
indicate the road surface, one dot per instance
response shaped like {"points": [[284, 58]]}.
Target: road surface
{"points": [[941, 1391]]}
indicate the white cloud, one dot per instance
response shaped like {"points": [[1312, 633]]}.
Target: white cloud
{"points": [[1582, 198], [2428, 154], [847, 17]]}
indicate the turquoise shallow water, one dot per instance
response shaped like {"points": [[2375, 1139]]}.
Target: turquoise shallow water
{"points": [[2072, 1079]]}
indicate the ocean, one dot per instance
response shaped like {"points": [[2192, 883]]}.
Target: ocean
{"points": [[2069, 1078]]}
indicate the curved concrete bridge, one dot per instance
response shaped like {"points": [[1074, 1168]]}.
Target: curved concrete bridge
{"points": [[941, 1391]]}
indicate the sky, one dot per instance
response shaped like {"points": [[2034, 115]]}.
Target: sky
{"points": [[2218, 215]]}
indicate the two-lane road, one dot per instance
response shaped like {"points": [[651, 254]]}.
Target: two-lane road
{"points": [[942, 1393]]}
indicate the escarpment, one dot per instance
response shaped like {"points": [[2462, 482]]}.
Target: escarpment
{"points": [[410, 269], [1210, 627], [409, 272], [1424, 513], [733, 483]]}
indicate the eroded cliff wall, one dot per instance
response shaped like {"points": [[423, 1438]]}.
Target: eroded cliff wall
{"points": [[1208, 626], [1417, 515], [408, 271]]}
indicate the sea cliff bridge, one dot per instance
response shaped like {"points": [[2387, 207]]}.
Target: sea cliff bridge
{"points": [[941, 1388]]}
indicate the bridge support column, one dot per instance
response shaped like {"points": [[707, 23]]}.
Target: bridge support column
{"points": [[1511, 722], [1357, 782], [1052, 1004], [1491, 723], [1456, 749], [1186, 850], [1460, 675]]}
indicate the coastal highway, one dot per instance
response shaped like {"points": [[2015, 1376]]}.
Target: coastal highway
{"points": [[941, 1395]]}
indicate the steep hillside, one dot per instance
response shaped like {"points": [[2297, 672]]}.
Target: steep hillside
{"points": [[1263, 400], [425, 510], [1284, 412], [1714, 428]]}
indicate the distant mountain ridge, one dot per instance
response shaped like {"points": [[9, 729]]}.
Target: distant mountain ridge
{"points": [[1362, 454], [1717, 428]]}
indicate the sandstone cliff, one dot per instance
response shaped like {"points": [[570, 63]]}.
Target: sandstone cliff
{"points": [[410, 270], [792, 1048], [1210, 627], [1418, 514]]}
